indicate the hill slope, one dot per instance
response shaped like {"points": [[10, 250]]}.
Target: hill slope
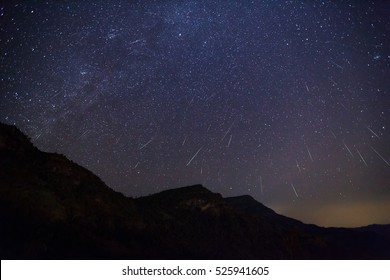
{"points": [[52, 208]]}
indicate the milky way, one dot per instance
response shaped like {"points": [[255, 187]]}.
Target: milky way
{"points": [[286, 101]]}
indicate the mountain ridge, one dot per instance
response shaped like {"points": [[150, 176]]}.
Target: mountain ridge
{"points": [[52, 208]]}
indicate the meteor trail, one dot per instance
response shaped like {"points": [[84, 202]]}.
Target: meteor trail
{"points": [[348, 149], [380, 156], [211, 96], [307, 88], [294, 190], [376, 135], [192, 100], [331, 131], [227, 131], [361, 157], [39, 135], [308, 151], [194, 156], [84, 133], [184, 141], [337, 65], [136, 41], [342, 105], [146, 144], [230, 140]]}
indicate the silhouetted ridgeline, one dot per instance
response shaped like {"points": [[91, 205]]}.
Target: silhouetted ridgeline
{"points": [[51, 207]]}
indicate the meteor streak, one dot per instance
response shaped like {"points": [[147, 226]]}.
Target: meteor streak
{"points": [[194, 156]]}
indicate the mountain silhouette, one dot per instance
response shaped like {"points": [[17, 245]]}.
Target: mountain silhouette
{"points": [[52, 208]]}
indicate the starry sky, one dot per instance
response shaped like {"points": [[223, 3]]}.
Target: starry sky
{"points": [[287, 101]]}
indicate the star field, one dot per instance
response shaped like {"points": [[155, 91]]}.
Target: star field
{"points": [[287, 101]]}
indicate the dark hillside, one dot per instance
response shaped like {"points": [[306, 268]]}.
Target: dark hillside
{"points": [[52, 208]]}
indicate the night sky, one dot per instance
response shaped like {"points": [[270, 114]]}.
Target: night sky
{"points": [[287, 101]]}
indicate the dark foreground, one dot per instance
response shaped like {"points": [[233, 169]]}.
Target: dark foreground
{"points": [[52, 208]]}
